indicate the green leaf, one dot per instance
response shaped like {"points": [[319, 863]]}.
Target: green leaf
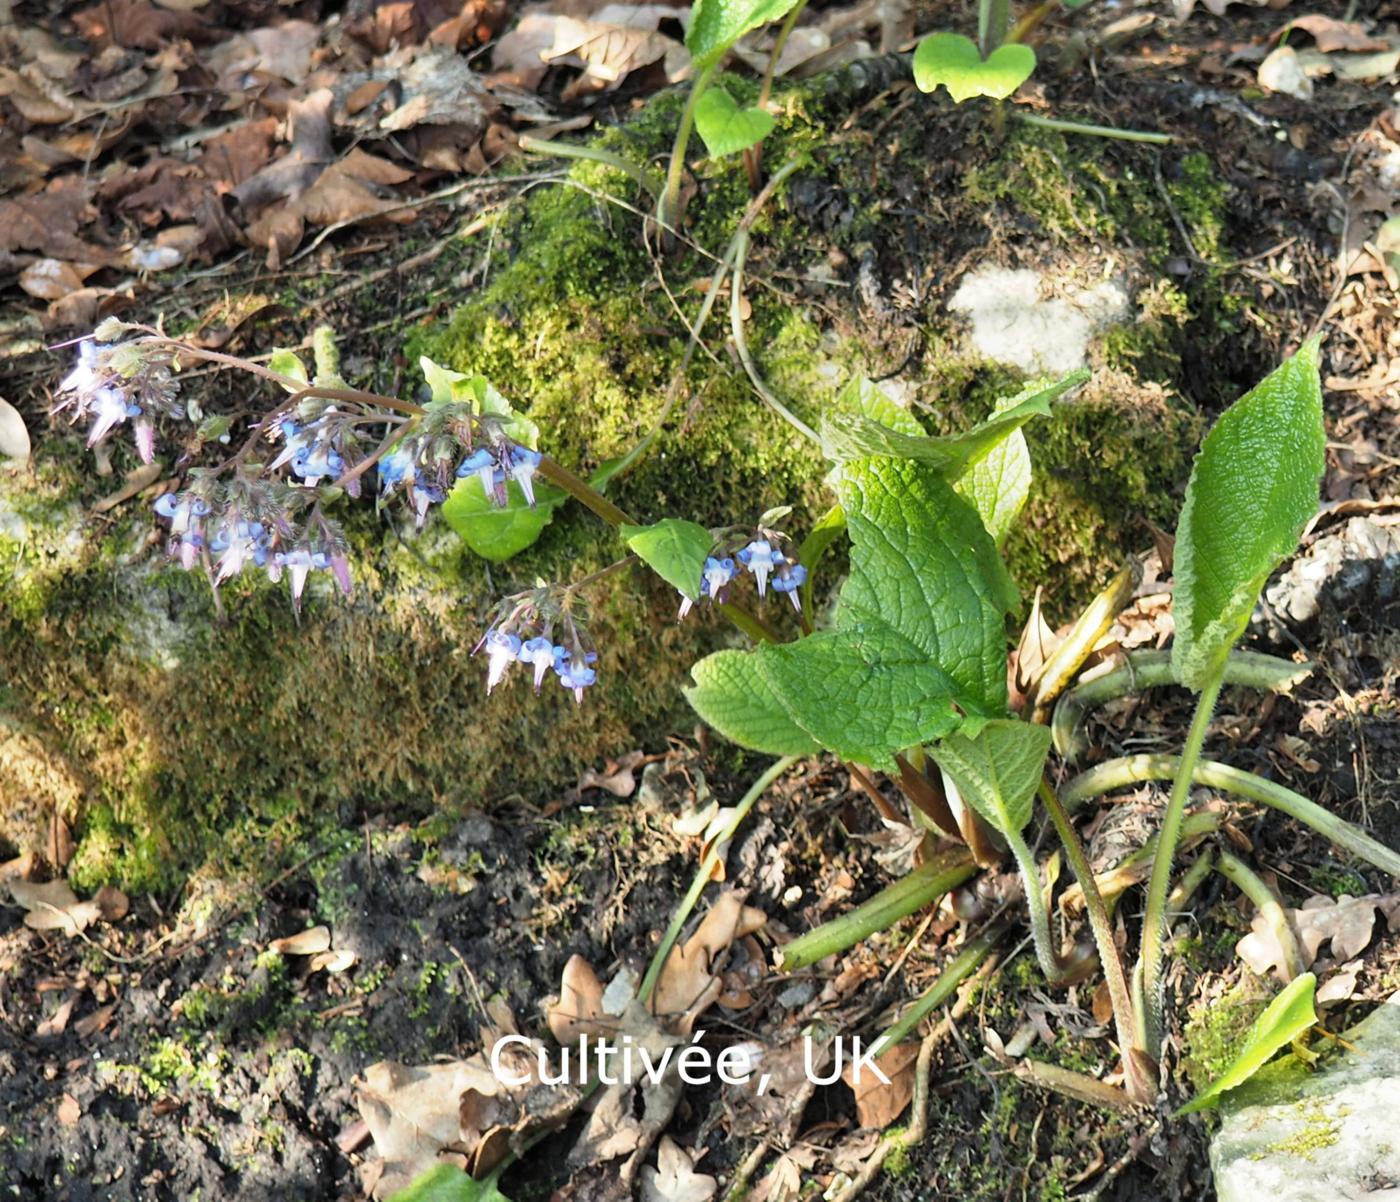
{"points": [[818, 541], [448, 386], [674, 549], [288, 363], [1283, 1020], [1252, 490], [494, 533], [725, 127], [997, 771], [998, 484], [715, 25], [920, 633], [447, 1183], [954, 61], [848, 436], [868, 399]]}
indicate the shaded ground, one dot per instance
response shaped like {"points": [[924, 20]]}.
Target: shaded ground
{"points": [[173, 1055]]}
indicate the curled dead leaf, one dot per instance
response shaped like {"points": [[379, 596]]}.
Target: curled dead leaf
{"points": [[303, 943]]}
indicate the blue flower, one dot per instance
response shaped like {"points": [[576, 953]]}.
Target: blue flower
{"points": [[523, 463], [574, 672], [540, 652], [395, 467], [186, 513], [760, 558], [482, 463], [502, 650], [238, 543], [718, 573], [789, 579]]}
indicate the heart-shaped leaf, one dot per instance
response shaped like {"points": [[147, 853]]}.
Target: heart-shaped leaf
{"points": [[725, 127], [674, 549], [497, 533], [1283, 1020], [715, 25], [1252, 490], [998, 770], [954, 61]]}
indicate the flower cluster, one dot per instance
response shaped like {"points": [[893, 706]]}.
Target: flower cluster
{"points": [[524, 634], [230, 528], [118, 382], [762, 559]]}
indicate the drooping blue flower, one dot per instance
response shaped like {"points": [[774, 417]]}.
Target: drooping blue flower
{"points": [[186, 513], [760, 557], [790, 578], [574, 672], [539, 652], [482, 464], [523, 463], [502, 650], [395, 468], [718, 573], [238, 543]]}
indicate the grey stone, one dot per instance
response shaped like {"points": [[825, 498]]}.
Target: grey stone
{"points": [[1333, 1136]]}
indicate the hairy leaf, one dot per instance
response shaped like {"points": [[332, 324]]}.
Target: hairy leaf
{"points": [[715, 25], [998, 484], [1253, 488], [954, 61], [848, 436], [725, 127], [920, 633], [447, 385], [1283, 1020], [674, 549], [998, 770], [448, 1183], [288, 363]]}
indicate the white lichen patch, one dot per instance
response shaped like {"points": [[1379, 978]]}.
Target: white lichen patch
{"points": [[1017, 322]]}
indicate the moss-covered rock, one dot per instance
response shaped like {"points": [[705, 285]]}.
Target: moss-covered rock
{"points": [[159, 723]]}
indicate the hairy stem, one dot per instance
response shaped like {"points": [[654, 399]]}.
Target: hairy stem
{"points": [[1101, 925], [669, 213], [1253, 887], [925, 884], [1154, 922], [957, 970], [1097, 131], [1035, 905], [648, 180], [1151, 669], [1130, 770], [705, 873]]}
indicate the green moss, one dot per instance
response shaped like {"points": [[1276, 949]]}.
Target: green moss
{"points": [[1319, 1131], [1216, 1029]]}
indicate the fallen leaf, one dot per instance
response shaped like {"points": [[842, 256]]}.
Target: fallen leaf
{"points": [[878, 1104], [674, 1179], [57, 1022], [97, 1021], [14, 436], [1340, 986], [69, 1111], [1332, 34], [689, 982], [304, 943], [1346, 925], [1281, 71], [53, 906], [333, 961]]}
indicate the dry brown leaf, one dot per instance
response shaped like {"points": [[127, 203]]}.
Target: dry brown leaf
{"points": [[579, 1006], [304, 943], [69, 1111], [1282, 71], [413, 1113], [688, 983], [1346, 925], [1332, 34], [97, 1021], [878, 1104], [53, 906], [674, 1179], [57, 1022], [334, 961]]}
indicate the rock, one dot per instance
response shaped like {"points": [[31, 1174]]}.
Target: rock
{"points": [[1340, 567], [1012, 324], [1330, 1135]]}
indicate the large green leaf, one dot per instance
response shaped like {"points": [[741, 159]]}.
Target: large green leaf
{"points": [[847, 435], [495, 533], [999, 483], [447, 1183], [954, 61], [715, 25], [725, 127], [998, 770], [920, 633], [1283, 1020], [674, 549], [1252, 490], [867, 399]]}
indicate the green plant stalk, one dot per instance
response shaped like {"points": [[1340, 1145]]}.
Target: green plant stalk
{"points": [[1154, 922], [1252, 886], [1101, 925], [1097, 131], [926, 883], [1151, 669], [704, 873], [648, 180], [668, 213], [1089, 627], [954, 973], [1035, 905], [1130, 770], [993, 20], [1192, 879], [753, 156], [1112, 884]]}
